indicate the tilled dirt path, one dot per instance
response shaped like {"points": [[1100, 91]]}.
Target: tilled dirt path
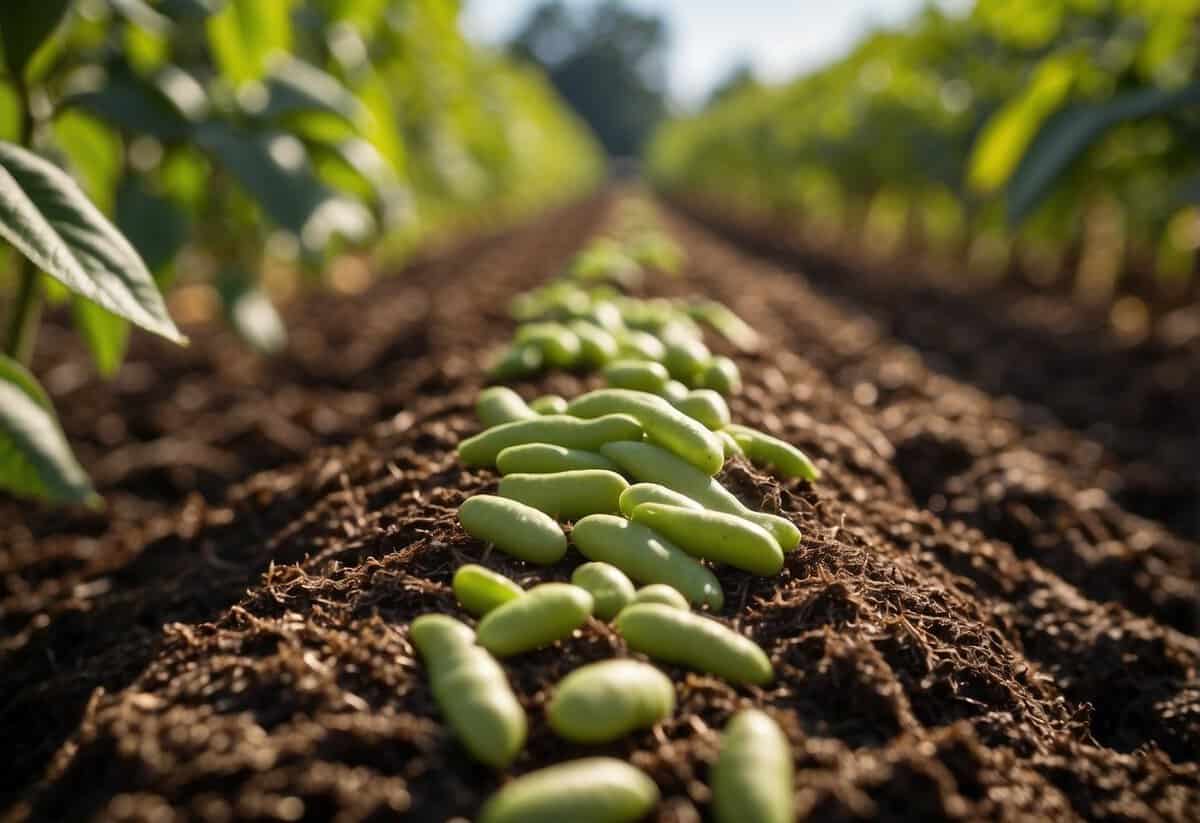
{"points": [[969, 630]]}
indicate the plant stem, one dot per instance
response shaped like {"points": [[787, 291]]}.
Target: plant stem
{"points": [[20, 334]]}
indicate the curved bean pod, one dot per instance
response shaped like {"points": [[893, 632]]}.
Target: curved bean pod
{"points": [[646, 557], [557, 429], [686, 358], [640, 493], [647, 463], [610, 589], [546, 458], [544, 614], [470, 689], [602, 701], [589, 790], [516, 529], [661, 593], [662, 422], [765, 450], [692, 640], [480, 590], [640, 345], [732, 449], [518, 361], [722, 375], [559, 345], [717, 536], [674, 391], [754, 776], [596, 345], [500, 404], [548, 404], [639, 375], [707, 407], [567, 495]]}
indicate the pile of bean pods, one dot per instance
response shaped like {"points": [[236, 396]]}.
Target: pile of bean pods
{"points": [[632, 468]]}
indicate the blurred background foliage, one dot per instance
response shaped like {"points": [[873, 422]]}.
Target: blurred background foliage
{"points": [[233, 138], [1050, 136]]}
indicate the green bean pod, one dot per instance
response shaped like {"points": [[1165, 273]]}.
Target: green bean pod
{"points": [[470, 689], [717, 536], [602, 701], [639, 375], [647, 463], [722, 375], [543, 615], [661, 593], [548, 404], [662, 422], [546, 458], [597, 346], [589, 790], [515, 528], [646, 557], [567, 495], [707, 407], [674, 391], [500, 404], [686, 358], [733, 328], [754, 776], [480, 590], [640, 345], [610, 589], [691, 640], [765, 450], [557, 429], [640, 493], [732, 449], [518, 361], [559, 345]]}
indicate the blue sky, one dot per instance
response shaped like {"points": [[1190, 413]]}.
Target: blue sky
{"points": [[779, 37]]}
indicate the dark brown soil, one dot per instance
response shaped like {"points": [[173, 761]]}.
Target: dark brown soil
{"points": [[975, 625]]}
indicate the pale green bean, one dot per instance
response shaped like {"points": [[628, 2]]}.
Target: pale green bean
{"points": [[518, 361], [722, 375], [500, 404], [557, 429], [543, 615], [640, 375], [640, 345], [688, 639], [716, 536], [589, 790], [754, 776], [545, 458], [686, 358], [609, 587], [779, 455], [602, 701], [705, 406], [547, 404], [470, 689], [674, 391], [597, 346], [567, 495], [640, 493], [516, 529], [646, 557], [559, 345], [480, 590], [732, 449], [661, 593]]}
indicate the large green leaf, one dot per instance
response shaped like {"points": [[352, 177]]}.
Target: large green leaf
{"points": [[1068, 134], [297, 87], [35, 460], [25, 25], [45, 216], [246, 35], [274, 169], [133, 105]]}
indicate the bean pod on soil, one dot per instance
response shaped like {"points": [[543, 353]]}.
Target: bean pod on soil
{"points": [[661, 593], [557, 429], [602, 701], [722, 375], [640, 493], [548, 404], [516, 529], [707, 407], [500, 404], [559, 345], [754, 777], [732, 449], [717, 536], [480, 590], [765, 450], [544, 614], [609, 587], [546, 458], [589, 790], [646, 557], [567, 495], [639, 375], [596, 345], [691, 640], [470, 689], [647, 463], [662, 422]]}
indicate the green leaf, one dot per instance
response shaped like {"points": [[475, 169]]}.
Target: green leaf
{"points": [[246, 35], [1070, 132], [297, 87], [35, 460], [132, 105], [156, 225], [106, 335], [46, 217], [274, 169], [25, 25]]}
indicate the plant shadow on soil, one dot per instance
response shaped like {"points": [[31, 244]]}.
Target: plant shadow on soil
{"points": [[934, 660]]}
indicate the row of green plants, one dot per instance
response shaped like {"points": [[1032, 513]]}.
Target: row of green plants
{"points": [[1051, 134], [147, 144], [572, 461]]}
